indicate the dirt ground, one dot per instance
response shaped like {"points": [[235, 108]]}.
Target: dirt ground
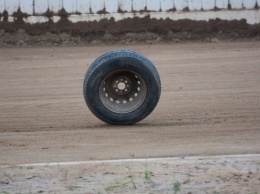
{"points": [[192, 175], [210, 105]]}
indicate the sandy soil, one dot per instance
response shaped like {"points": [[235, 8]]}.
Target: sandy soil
{"points": [[212, 175], [210, 105]]}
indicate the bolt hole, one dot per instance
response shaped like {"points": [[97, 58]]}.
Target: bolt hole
{"points": [[111, 99], [138, 88], [130, 99]]}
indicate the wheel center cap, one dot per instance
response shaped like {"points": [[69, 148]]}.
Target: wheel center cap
{"points": [[121, 86]]}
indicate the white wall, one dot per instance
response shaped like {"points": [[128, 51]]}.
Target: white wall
{"points": [[125, 5], [96, 5], [236, 4], [11, 6], [55, 5], [208, 4], [26, 6], [41, 7], [249, 4], [222, 4], [111, 6], [153, 5], [83, 6], [195, 5], [89, 8], [138, 5], [180, 4], [167, 5]]}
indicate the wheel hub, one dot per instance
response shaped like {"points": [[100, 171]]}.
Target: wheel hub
{"points": [[122, 91], [122, 85]]}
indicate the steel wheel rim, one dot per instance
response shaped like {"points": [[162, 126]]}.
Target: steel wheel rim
{"points": [[122, 91]]}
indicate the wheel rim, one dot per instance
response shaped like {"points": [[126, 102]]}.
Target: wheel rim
{"points": [[123, 91]]}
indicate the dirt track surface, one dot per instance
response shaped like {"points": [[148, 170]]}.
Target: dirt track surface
{"points": [[210, 104]]}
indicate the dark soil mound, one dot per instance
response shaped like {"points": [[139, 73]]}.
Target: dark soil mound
{"points": [[125, 31]]}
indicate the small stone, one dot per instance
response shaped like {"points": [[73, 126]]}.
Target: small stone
{"points": [[214, 40], [158, 39], [108, 36], [4, 182], [176, 40], [2, 32], [170, 34], [21, 31], [96, 42]]}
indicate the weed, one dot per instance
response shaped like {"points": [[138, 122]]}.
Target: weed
{"points": [[80, 177], [176, 187], [66, 173], [4, 192], [131, 176], [116, 185], [132, 155], [112, 187], [147, 175], [73, 187]]}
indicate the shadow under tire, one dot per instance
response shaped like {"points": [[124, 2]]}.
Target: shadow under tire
{"points": [[122, 87]]}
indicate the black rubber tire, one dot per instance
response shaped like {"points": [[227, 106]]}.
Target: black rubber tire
{"points": [[101, 83]]}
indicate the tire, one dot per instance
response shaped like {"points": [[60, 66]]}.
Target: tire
{"points": [[122, 87]]}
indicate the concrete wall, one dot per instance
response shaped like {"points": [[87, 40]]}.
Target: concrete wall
{"points": [[99, 9]]}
